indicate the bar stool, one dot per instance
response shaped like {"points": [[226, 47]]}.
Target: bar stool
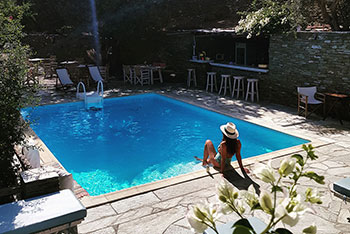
{"points": [[224, 85], [191, 77], [211, 81], [252, 89], [238, 85]]}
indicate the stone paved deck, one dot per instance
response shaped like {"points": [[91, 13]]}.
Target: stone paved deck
{"points": [[163, 211]]}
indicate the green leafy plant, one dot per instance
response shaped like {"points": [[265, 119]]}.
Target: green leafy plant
{"points": [[268, 16], [288, 209], [14, 92]]}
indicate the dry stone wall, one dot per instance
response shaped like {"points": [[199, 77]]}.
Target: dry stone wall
{"points": [[306, 59]]}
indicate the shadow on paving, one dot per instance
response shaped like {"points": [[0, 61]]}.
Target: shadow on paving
{"points": [[241, 183]]}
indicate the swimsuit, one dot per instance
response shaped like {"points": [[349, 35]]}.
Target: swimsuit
{"points": [[218, 159]]}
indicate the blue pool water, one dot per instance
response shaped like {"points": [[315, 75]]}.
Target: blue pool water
{"points": [[139, 139]]}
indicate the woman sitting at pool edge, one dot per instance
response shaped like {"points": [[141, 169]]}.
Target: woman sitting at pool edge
{"points": [[228, 147]]}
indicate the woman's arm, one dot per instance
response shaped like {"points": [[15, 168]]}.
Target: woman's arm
{"points": [[223, 153], [239, 157]]}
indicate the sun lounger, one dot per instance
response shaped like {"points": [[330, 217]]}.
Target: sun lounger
{"points": [[49, 213], [64, 78], [95, 73]]}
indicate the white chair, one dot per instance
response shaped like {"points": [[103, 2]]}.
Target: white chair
{"points": [[126, 74], [307, 100], [63, 77], [95, 74], [142, 75]]}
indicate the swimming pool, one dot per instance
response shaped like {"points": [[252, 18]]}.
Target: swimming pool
{"points": [[139, 139]]}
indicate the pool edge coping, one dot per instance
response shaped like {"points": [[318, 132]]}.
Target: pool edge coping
{"points": [[92, 201]]}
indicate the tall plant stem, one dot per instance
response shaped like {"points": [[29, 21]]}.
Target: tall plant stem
{"points": [[213, 226], [297, 178], [272, 223], [235, 209]]}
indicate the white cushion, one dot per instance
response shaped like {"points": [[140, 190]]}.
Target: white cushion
{"points": [[32, 155], [40, 213]]}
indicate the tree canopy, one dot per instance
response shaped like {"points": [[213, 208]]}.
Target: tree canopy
{"points": [[14, 93], [284, 16]]}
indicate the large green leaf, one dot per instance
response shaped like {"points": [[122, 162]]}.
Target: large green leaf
{"points": [[299, 158], [276, 188], [242, 222], [312, 175], [243, 230], [282, 231]]}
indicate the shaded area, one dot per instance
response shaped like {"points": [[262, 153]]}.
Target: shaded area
{"points": [[241, 183]]}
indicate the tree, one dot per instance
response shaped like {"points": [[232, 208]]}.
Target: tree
{"points": [[286, 16], [268, 16], [14, 93], [336, 13]]}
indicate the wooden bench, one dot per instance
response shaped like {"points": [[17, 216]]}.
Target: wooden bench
{"points": [[49, 213]]}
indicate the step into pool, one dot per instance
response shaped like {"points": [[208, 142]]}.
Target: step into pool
{"points": [[139, 139]]}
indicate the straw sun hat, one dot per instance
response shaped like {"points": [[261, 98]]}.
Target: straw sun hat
{"points": [[229, 130]]}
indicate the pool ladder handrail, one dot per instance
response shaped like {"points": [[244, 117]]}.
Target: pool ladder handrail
{"points": [[84, 91], [99, 90], [100, 86], [95, 97]]}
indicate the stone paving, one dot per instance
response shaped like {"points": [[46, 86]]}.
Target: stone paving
{"points": [[164, 210]]}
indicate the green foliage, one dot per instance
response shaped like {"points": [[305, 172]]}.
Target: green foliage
{"points": [[299, 158], [282, 231], [312, 175], [289, 209], [243, 226], [268, 17], [14, 94]]}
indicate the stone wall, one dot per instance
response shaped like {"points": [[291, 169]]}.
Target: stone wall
{"points": [[306, 59], [64, 47]]}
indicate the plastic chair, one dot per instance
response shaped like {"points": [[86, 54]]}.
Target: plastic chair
{"points": [[308, 98]]}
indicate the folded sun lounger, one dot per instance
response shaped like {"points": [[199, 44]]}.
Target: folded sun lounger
{"points": [[64, 78], [95, 73], [50, 213]]}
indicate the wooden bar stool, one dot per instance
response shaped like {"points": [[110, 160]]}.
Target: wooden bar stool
{"points": [[252, 89], [238, 85], [191, 77], [225, 83], [211, 81]]}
